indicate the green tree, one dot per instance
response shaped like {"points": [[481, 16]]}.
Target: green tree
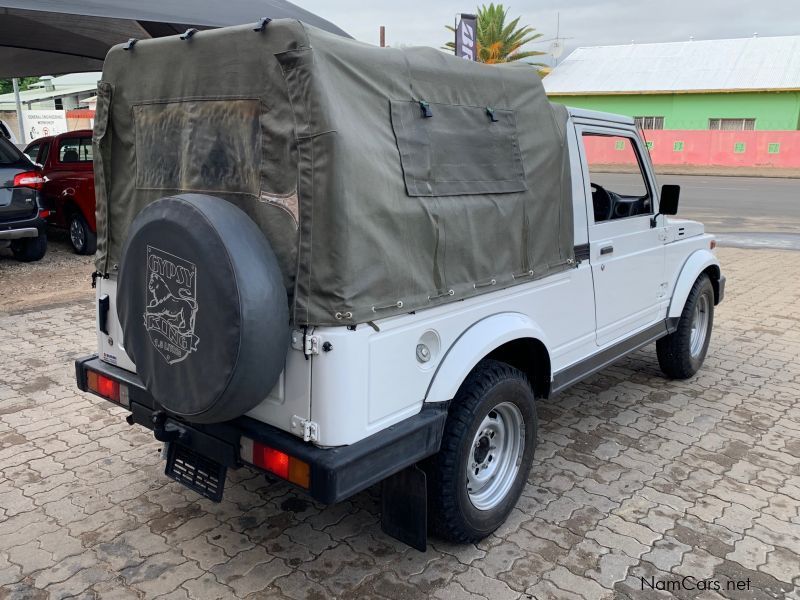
{"points": [[6, 85], [498, 41]]}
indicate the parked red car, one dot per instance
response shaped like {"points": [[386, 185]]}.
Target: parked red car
{"points": [[66, 162]]}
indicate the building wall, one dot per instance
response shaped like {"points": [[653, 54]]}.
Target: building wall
{"points": [[68, 102], [771, 110], [752, 149]]}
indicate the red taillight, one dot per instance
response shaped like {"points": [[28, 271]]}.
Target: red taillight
{"points": [[43, 214], [107, 388], [272, 460], [29, 179], [276, 462]]}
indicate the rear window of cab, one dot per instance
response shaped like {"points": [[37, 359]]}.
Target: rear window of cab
{"points": [[75, 150]]}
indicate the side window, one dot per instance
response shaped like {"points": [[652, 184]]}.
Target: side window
{"points": [[32, 152], [72, 150], [619, 186]]}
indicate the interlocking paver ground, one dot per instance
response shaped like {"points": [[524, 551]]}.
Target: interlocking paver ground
{"points": [[638, 482]]}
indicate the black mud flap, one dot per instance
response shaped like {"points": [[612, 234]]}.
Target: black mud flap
{"points": [[197, 472], [404, 507]]}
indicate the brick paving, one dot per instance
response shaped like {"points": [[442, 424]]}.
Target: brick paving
{"points": [[637, 481]]}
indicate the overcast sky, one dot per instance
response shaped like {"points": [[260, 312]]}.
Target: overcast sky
{"points": [[584, 22]]}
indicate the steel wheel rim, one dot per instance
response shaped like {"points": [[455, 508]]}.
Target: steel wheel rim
{"points": [[495, 456], [76, 234], [697, 338]]}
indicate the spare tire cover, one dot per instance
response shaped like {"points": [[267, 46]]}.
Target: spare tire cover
{"points": [[203, 308]]}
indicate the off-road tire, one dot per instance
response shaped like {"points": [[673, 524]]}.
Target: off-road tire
{"points": [[30, 249], [674, 350], [452, 514], [89, 245]]}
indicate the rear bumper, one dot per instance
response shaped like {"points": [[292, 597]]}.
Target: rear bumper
{"points": [[23, 228], [336, 473]]}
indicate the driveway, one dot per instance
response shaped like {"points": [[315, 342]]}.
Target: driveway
{"points": [[640, 485], [61, 276]]}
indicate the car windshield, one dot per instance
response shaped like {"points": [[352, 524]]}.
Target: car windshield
{"points": [[8, 152], [31, 152]]}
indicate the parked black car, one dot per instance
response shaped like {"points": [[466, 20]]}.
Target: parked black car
{"points": [[22, 212]]}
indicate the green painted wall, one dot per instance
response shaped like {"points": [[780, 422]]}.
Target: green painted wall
{"points": [[771, 110]]}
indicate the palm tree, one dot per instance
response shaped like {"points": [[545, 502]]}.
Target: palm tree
{"points": [[499, 42]]}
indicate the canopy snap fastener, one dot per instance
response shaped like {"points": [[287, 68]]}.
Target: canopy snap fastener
{"points": [[130, 44], [262, 24], [186, 35], [426, 109], [490, 112]]}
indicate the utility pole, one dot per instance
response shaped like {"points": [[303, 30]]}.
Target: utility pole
{"points": [[20, 120], [383, 36]]}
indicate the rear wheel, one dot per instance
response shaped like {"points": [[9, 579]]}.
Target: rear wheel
{"points": [[681, 354], [486, 453], [30, 249], [83, 239]]}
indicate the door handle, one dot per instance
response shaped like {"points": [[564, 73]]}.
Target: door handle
{"points": [[606, 250]]}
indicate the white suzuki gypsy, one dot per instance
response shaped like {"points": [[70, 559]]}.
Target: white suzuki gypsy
{"points": [[344, 265]]}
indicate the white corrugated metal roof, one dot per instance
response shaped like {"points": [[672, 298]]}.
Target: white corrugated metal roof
{"points": [[757, 63], [64, 85], [28, 97]]}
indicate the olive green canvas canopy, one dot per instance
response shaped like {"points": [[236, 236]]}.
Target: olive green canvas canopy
{"points": [[386, 180]]}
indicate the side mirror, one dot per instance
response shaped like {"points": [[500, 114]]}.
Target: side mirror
{"points": [[667, 202]]}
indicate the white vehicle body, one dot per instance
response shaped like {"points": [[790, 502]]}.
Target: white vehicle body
{"points": [[341, 385]]}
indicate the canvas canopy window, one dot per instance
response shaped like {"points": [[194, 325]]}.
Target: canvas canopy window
{"points": [[386, 180]]}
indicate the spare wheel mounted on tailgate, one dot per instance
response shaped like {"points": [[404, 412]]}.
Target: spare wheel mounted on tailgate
{"points": [[203, 307]]}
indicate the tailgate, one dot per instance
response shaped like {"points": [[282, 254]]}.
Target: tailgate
{"points": [[15, 203]]}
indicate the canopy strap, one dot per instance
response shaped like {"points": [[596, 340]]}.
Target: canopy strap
{"points": [[98, 275], [426, 109], [262, 24]]}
